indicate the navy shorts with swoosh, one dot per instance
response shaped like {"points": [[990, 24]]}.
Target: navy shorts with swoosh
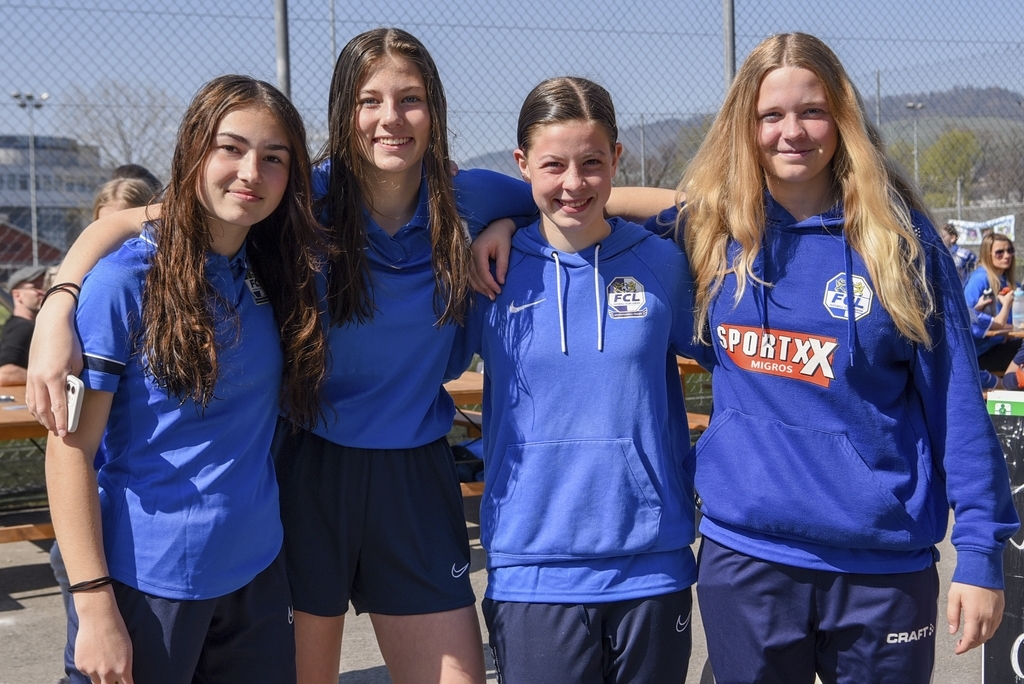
{"points": [[382, 528]]}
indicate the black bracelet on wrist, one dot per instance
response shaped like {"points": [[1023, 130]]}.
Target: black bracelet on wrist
{"points": [[90, 584], [62, 287]]}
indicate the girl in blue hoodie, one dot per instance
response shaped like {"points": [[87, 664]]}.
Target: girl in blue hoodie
{"points": [[587, 514], [848, 415]]}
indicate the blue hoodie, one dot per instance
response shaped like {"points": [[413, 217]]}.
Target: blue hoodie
{"points": [[836, 443], [587, 497], [385, 376]]}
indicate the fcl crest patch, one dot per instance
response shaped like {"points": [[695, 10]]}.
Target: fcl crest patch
{"points": [[259, 295], [835, 297], [626, 298]]}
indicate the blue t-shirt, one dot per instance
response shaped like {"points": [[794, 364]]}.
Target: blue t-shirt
{"points": [[188, 495], [385, 376]]}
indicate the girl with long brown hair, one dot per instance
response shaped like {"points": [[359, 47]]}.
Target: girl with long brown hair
{"points": [[195, 336], [848, 414]]}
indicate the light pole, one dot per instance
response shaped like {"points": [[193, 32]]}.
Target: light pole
{"points": [[28, 102], [916, 107]]}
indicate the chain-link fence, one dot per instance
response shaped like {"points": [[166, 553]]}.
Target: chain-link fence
{"points": [[944, 79]]}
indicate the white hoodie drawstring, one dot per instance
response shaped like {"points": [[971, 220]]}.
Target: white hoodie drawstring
{"points": [[561, 312], [597, 297]]}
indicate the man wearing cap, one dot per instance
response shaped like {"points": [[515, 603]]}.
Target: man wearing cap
{"points": [[26, 290]]}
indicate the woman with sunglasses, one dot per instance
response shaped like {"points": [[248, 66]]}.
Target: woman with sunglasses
{"points": [[989, 290]]}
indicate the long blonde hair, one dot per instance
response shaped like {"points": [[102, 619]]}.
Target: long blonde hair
{"points": [[988, 243], [724, 186]]}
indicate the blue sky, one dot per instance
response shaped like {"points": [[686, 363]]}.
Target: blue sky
{"points": [[659, 59]]}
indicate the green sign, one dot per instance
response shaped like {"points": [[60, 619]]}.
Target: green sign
{"points": [[1002, 403]]}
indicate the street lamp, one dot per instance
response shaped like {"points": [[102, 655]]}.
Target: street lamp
{"points": [[29, 103], [916, 107]]}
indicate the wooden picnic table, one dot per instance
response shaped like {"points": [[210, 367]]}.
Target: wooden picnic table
{"points": [[15, 420], [468, 388], [17, 423]]}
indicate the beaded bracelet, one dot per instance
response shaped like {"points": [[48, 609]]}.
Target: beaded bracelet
{"points": [[63, 287], [90, 584]]}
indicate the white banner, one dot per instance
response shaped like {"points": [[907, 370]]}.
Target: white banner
{"points": [[971, 232]]}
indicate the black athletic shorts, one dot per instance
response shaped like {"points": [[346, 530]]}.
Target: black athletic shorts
{"points": [[382, 528]]}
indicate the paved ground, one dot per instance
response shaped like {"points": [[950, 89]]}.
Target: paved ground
{"points": [[32, 626]]}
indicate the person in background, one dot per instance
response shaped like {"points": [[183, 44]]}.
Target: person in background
{"points": [[964, 258], [134, 171], [119, 194], [848, 414], [26, 289], [989, 290]]}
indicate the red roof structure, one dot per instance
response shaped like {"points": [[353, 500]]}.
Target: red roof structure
{"points": [[16, 248]]}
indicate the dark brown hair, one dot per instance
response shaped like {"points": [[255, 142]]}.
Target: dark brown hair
{"points": [[565, 99], [349, 285], [177, 333]]}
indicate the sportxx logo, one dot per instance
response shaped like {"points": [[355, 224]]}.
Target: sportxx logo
{"points": [[785, 354]]}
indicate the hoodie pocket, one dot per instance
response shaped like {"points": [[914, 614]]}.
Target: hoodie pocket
{"points": [[796, 483], [571, 499]]}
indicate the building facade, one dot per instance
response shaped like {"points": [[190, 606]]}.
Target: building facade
{"points": [[68, 174]]}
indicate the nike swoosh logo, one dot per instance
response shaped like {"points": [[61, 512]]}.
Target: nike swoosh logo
{"points": [[682, 625], [512, 308], [460, 572]]}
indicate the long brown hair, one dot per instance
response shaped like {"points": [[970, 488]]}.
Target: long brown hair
{"points": [[724, 186], [177, 332], [349, 289]]}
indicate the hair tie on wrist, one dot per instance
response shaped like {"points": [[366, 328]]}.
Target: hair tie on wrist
{"points": [[90, 584], [62, 287]]}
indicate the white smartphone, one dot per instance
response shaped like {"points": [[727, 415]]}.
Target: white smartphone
{"points": [[74, 389]]}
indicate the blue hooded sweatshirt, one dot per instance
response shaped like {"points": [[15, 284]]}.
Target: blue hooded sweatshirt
{"points": [[836, 443], [588, 497]]}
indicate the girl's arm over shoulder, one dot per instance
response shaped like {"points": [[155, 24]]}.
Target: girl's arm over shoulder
{"points": [[55, 352], [639, 204], [484, 196]]}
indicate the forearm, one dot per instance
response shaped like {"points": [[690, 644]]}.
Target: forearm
{"points": [[100, 238], [639, 204], [72, 491]]}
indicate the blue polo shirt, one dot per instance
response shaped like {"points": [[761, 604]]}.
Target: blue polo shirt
{"points": [[188, 495], [384, 387]]}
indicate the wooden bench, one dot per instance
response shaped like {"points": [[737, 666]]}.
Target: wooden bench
{"points": [[32, 525]]}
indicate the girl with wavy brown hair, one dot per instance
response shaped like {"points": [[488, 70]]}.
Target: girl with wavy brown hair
{"points": [[848, 414], [195, 336]]}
